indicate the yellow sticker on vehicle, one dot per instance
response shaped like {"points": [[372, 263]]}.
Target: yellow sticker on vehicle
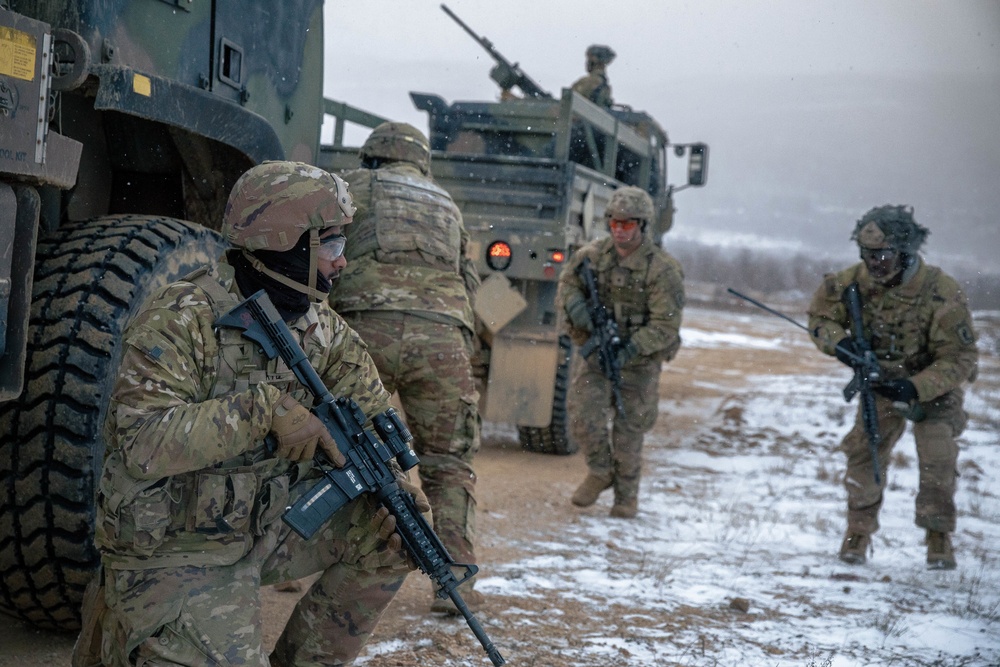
{"points": [[18, 51], [142, 85]]}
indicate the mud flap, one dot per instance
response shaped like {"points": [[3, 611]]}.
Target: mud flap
{"points": [[522, 378]]}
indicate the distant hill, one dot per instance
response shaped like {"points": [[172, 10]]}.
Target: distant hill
{"points": [[795, 161]]}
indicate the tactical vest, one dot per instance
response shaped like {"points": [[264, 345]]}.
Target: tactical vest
{"points": [[899, 325], [209, 516], [625, 289], [412, 222]]}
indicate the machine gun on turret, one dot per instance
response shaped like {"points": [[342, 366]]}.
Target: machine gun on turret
{"points": [[506, 75]]}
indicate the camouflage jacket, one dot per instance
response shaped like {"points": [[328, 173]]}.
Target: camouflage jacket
{"points": [[595, 87], [921, 329], [406, 249], [186, 479], [644, 291]]}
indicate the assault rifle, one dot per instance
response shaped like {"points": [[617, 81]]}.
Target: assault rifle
{"points": [[368, 456], [606, 340], [866, 373], [866, 368], [507, 75]]}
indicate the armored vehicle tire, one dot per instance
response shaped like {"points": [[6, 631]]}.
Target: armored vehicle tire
{"points": [[91, 281], [554, 438]]}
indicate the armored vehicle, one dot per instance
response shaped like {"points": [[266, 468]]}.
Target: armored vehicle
{"points": [[123, 126]]}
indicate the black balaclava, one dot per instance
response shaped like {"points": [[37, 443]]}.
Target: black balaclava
{"points": [[294, 264]]}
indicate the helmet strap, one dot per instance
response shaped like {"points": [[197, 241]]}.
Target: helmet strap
{"points": [[309, 290], [313, 252]]}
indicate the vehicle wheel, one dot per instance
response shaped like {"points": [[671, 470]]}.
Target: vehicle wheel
{"points": [[90, 278], [554, 438]]}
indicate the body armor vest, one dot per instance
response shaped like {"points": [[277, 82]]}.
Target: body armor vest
{"points": [[412, 222], [624, 290]]}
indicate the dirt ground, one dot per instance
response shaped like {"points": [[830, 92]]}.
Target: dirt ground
{"points": [[523, 497]]}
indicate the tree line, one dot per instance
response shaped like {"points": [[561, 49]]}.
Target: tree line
{"points": [[771, 271]]}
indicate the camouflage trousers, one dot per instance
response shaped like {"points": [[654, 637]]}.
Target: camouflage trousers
{"points": [[428, 364], [937, 455], [204, 616], [616, 454]]}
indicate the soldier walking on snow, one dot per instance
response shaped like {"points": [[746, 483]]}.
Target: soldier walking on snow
{"points": [[919, 327], [408, 292], [190, 498], [642, 286]]}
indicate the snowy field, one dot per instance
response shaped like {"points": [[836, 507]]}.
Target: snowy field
{"points": [[732, 560]]}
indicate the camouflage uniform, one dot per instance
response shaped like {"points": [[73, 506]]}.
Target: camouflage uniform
{"points": [[920, 330], [407, 291], [645, 291], [594, 86], [189, 502], [205, 520]]}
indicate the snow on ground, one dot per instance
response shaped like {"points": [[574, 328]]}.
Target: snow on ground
{"points": [[746, 530]]}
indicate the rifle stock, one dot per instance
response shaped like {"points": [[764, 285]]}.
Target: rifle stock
{"points": [[606, 339], [368, 461]]}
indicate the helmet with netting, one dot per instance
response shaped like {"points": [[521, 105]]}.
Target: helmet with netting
{"points": [[400, 142], [890, 227], [274, 203], [601, 53], [629, 203]]}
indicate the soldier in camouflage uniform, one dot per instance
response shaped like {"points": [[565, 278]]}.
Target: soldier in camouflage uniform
{"points": [[642, 285], [920, 329], [594, 86], [190, 500], [408, 292]]}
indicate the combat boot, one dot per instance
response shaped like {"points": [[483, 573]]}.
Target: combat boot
{"points": [[587, 493], [625, 508], [940, 555], [854, 550]]}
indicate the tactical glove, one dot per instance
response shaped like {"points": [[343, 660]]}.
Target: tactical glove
{"points": [[897, 391], [846, 345], [298, 431], [384, 524], [627, 353], [576, 310]]}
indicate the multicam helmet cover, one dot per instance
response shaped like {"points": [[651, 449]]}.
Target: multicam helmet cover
{"points": [[398, 141], [630, 202], [275, 202], [890, 227]]}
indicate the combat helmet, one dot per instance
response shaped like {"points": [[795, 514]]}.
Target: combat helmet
{"points": [[601, 54], [890, 226], [274, 203], [630, 202], [398, 141]]}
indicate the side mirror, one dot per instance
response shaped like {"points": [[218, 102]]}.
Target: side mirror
{"points": [[698, 164]]}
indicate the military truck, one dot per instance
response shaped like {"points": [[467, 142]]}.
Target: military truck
{"points": [[123, 126], [532, 178]]}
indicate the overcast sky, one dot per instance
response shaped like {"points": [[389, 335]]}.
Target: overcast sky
{"points": [[782, 90]]}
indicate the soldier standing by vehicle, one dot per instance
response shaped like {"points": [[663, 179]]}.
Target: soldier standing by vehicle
{"points": [[642, 286], [919, 327], [408, 292], [190, 498], [594, 86]]}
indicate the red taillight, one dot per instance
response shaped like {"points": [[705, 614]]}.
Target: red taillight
{"points": [[558, 256], [498, 255]]}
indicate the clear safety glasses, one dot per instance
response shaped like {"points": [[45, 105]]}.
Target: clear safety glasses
{"points": [[332, 247]]}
